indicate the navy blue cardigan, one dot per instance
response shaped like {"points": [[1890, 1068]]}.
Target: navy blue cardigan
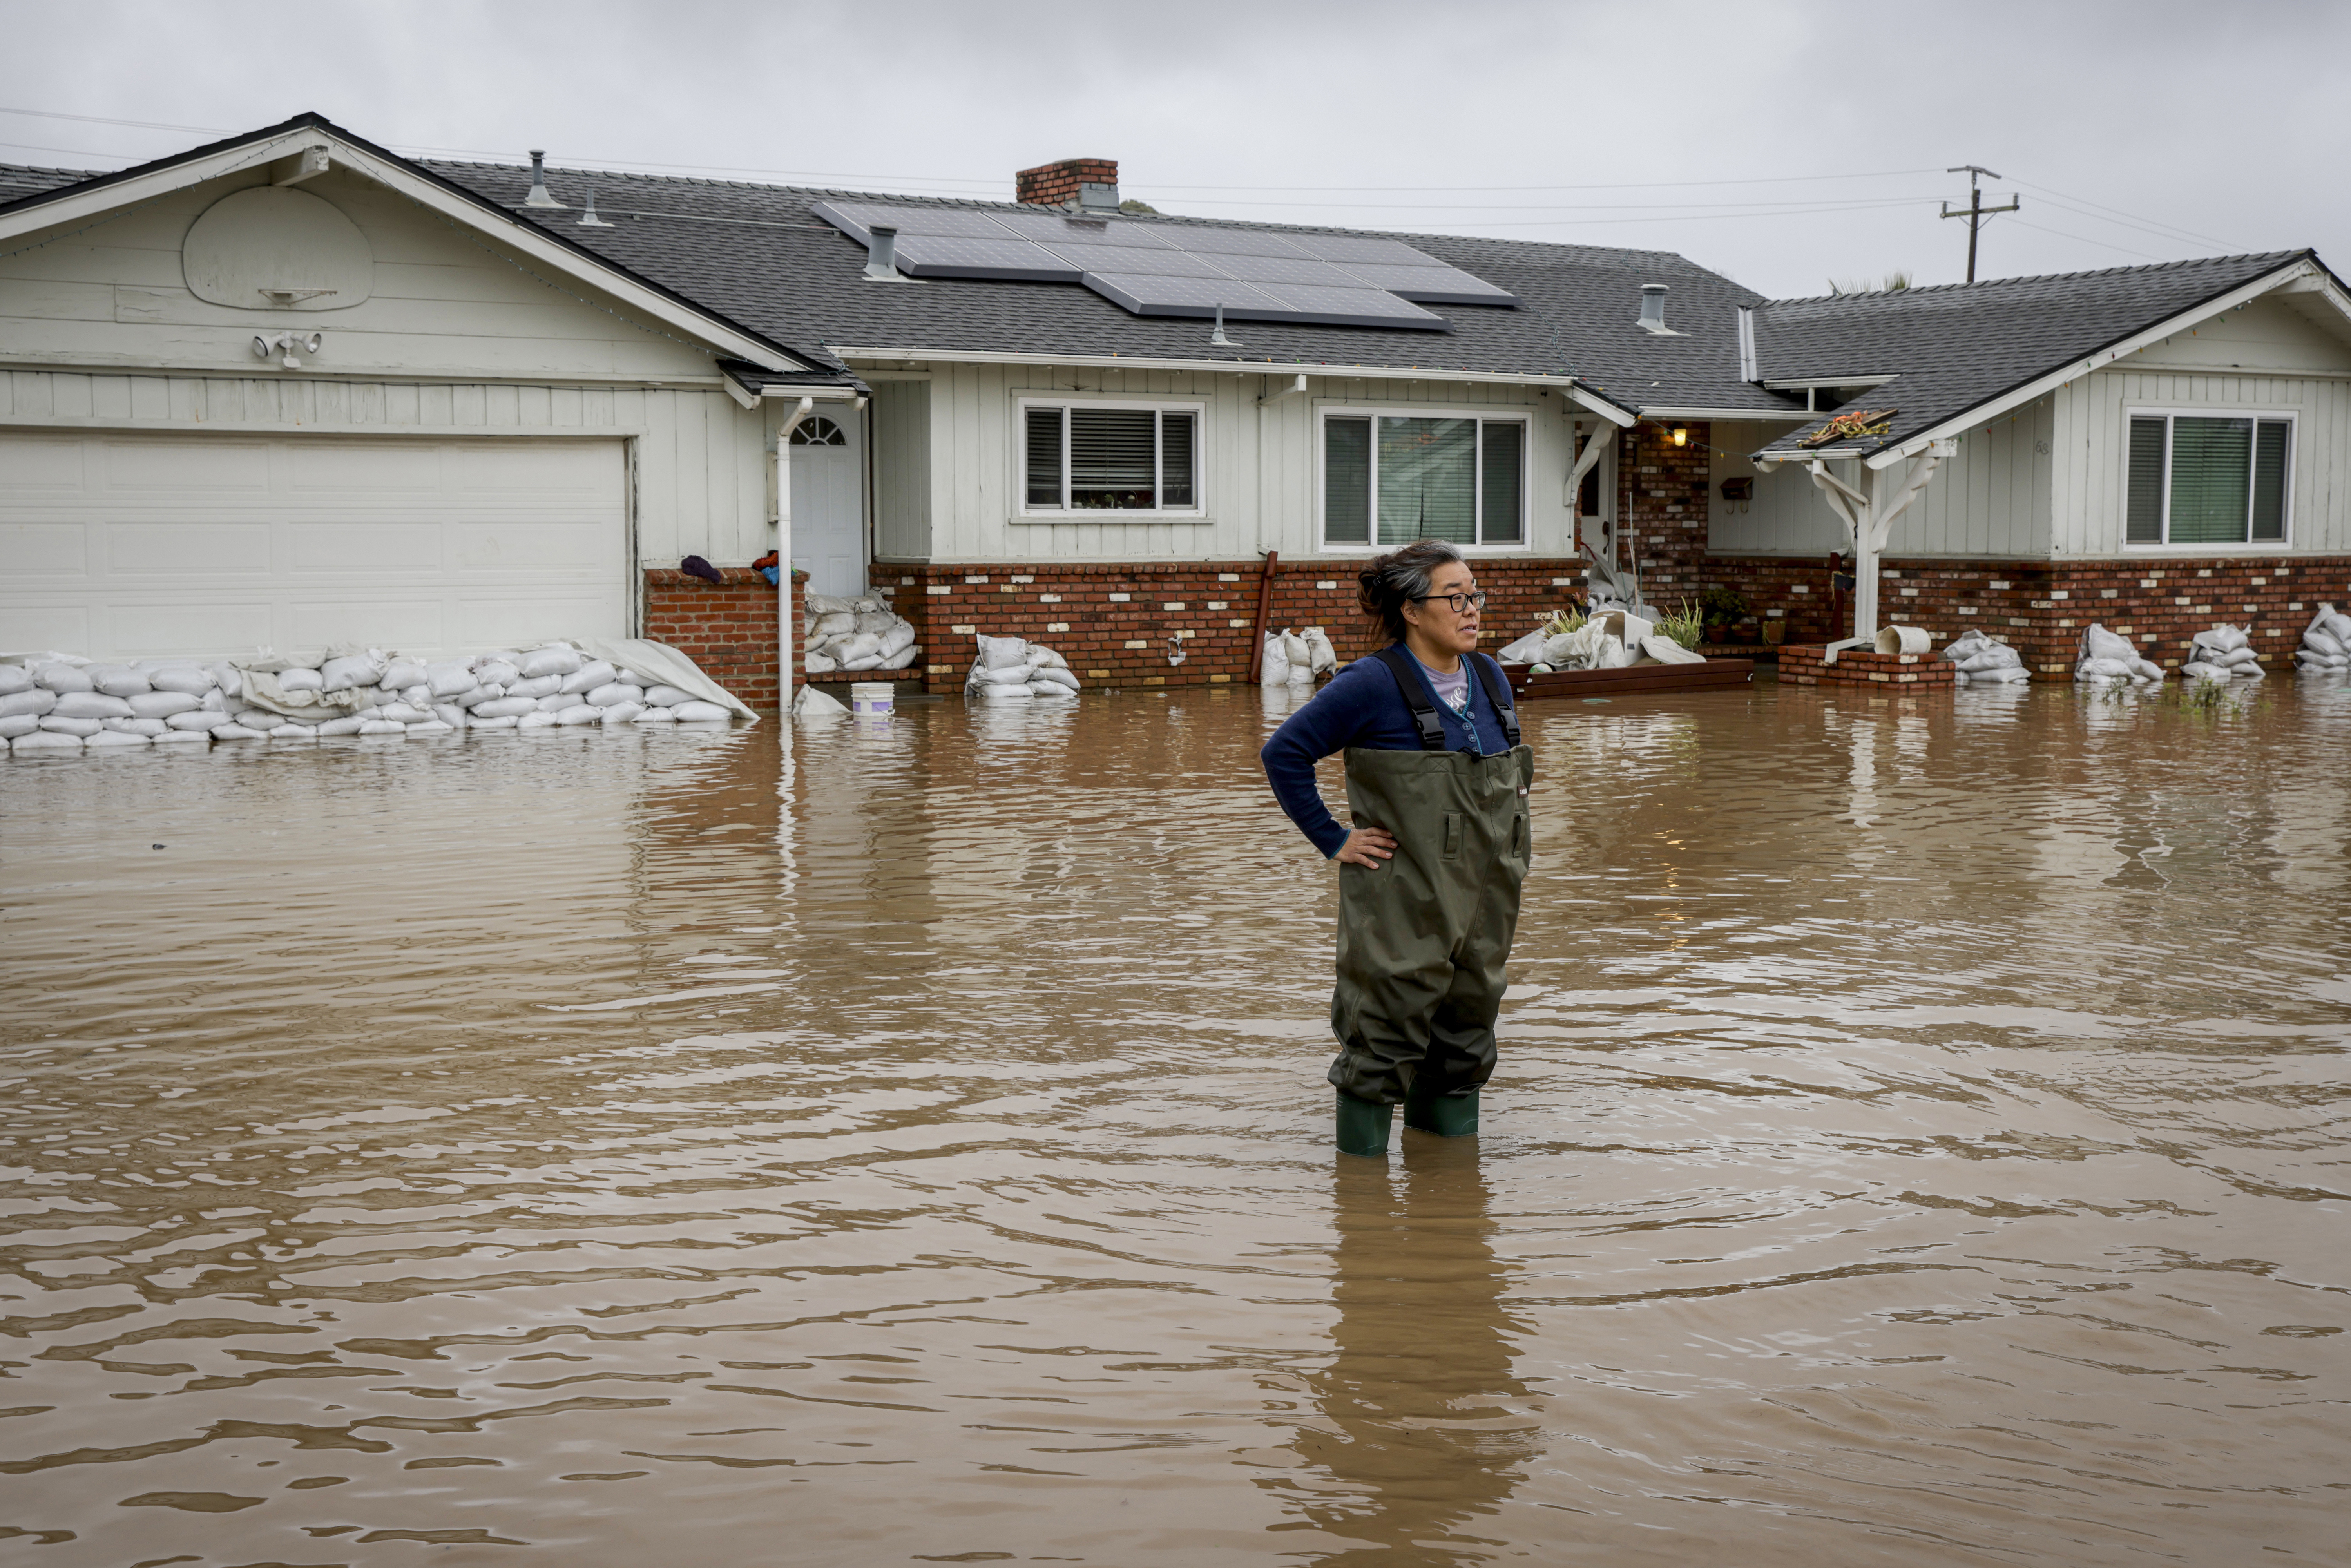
{"points": [[1362, 706]]}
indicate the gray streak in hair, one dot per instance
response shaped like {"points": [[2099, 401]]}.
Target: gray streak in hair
{"points": [[1399, 577]]}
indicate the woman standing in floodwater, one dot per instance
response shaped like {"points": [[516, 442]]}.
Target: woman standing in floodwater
{"points": [[1429, 876]]}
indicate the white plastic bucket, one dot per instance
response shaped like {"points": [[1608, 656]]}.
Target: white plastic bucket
{"points": [[869, 699]]}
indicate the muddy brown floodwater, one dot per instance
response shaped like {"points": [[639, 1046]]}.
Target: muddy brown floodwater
{"points": [[1919, 1140]]}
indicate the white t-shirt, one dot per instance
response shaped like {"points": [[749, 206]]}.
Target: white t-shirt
{"points": [[1452, 690]]}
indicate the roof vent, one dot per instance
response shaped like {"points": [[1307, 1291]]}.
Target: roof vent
{"points": [[881, 256], [589, 220], [1096, 198], [1217, 340], [1653, 311], [538, 196]]}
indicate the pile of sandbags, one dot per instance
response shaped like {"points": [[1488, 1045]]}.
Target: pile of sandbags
{"points": [[860, 634], [2326, 642], [1982, 661], [2106, 659], [59, 702], [2223, 653], [1010, 669], [1296, 658]]}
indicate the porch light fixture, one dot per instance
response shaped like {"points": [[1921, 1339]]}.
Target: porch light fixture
{"points": [[288, 345], [1681, 435]]}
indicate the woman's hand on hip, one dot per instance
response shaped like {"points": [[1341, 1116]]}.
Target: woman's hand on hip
{"points": [[1366, 847]]}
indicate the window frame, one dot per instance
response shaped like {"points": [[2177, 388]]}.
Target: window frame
{"points": [[1524, 418], [1025, 512], [2291, 418]]}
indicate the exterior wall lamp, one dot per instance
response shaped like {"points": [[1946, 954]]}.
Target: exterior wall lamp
{"points": [[1681, 435]]}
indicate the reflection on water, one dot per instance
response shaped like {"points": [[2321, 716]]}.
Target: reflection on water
{"points": [[1917, 1140]]}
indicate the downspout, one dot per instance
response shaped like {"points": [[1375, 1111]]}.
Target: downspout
{"points": [[784, 556]]}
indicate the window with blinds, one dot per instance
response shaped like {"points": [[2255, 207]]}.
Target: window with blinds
{"points": [[2208, 479], [1389, 479], [1094, 457]]}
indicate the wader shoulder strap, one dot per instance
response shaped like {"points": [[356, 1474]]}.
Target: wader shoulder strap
{"points": [[1416, 698], [1497, 692]]}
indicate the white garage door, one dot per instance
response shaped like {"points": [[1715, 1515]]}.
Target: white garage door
{"points": [[120, 545]]}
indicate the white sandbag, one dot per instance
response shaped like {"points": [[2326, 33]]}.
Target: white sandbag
{"points": [[84, 728], [1052, 690], [2148, 669], [335, 675], [2008, 674], [877, 622], [2117, 669], [611, 694], [622, 712], [2239, 656], [185, 678], [113, 738], [16, 724], [2097, 642], [473, 701], [589, 676], [430, 726], [197, 719], [300, 680], [666, 696], [535, 686], [158, 704], [1053, 660], [351, 724], [213, 701], [903, 637], [649, 662], [1002, 653], [255, 718], [819, 604], [1062, 677], [535, 721], [234, 731], [2248, 671], [556, 703], [871, 662], [902, 659], [1322, 658], [403, 713], [294, 732], [504, 707], [117, 680], [2197, 670], [1005, 691], [402, 674], [62, 678], [15, 678], [506, 723], [451, 715], [1527, 650], [2323, 641], [864, 645], [2226, 638], [808, 703], [231, 681], [1665, 651], [827, 627], [657, 715], [493, 670], [44, 741], [817, 663], [705, 713], [146, 726], [451, 679], [2336, 625], [580, 713], [1274, 671], [1013, 675], [561, 662], [35, 700], [381, 726]]}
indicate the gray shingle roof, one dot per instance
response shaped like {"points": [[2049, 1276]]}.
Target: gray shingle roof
{"points": [[756, 254], [1958, 347]]}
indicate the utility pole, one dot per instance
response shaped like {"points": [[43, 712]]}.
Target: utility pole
{"points": [[1975, 212]]}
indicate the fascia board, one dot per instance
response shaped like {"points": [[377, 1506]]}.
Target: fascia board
{"points": [[1598, 402], [1763, 415], [77, 206], [1807, 382], [2122, 348]]}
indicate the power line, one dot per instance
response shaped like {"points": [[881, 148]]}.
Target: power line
{"points": [[2118, 215], [2085, 239]]}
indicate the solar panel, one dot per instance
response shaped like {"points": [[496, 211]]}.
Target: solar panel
{"points": [[1178, 268], [1006, 260]]}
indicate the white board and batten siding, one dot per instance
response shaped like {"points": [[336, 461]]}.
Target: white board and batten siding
{"points": [[1993, 498], [955, 496]]}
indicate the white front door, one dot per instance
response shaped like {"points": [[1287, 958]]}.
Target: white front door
{"points": [[829, 504]]}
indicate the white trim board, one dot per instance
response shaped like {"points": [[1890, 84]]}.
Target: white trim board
{"points": [[395, 174]]}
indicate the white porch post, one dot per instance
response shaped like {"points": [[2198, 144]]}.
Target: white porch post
{"points": [[784, 557], [1868, 521]]}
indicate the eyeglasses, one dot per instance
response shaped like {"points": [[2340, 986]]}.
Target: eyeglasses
{"points": [[1462, 603]]}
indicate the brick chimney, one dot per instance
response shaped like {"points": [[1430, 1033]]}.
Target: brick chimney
{"points": [[1056, 184]]}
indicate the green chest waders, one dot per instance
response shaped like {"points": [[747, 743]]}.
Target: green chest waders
{"points": [[1424, 939]]}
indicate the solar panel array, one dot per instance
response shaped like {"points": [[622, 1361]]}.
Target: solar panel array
{"points": [[1178, 270]]}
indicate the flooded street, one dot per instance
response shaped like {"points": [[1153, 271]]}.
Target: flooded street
{"points": [[1919, 1140]]}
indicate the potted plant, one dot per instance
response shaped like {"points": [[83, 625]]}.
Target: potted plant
{"points": [[1723, 609]]}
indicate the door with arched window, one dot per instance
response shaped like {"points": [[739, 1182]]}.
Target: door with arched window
{"points": [[829, 504]]}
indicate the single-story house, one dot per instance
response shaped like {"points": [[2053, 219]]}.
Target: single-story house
{"points": [[293, 388]]}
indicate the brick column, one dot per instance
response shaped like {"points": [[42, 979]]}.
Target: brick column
{"points": [[1661, 508]]}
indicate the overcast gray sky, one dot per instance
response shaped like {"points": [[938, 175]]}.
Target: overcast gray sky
{"points": [[1779, 143]]}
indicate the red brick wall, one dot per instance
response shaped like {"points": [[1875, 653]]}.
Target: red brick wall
{"points": [[1661, 508], [728, 628], [2041, 607], [1112, 621], [1809, 667], [1050, 185]]}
